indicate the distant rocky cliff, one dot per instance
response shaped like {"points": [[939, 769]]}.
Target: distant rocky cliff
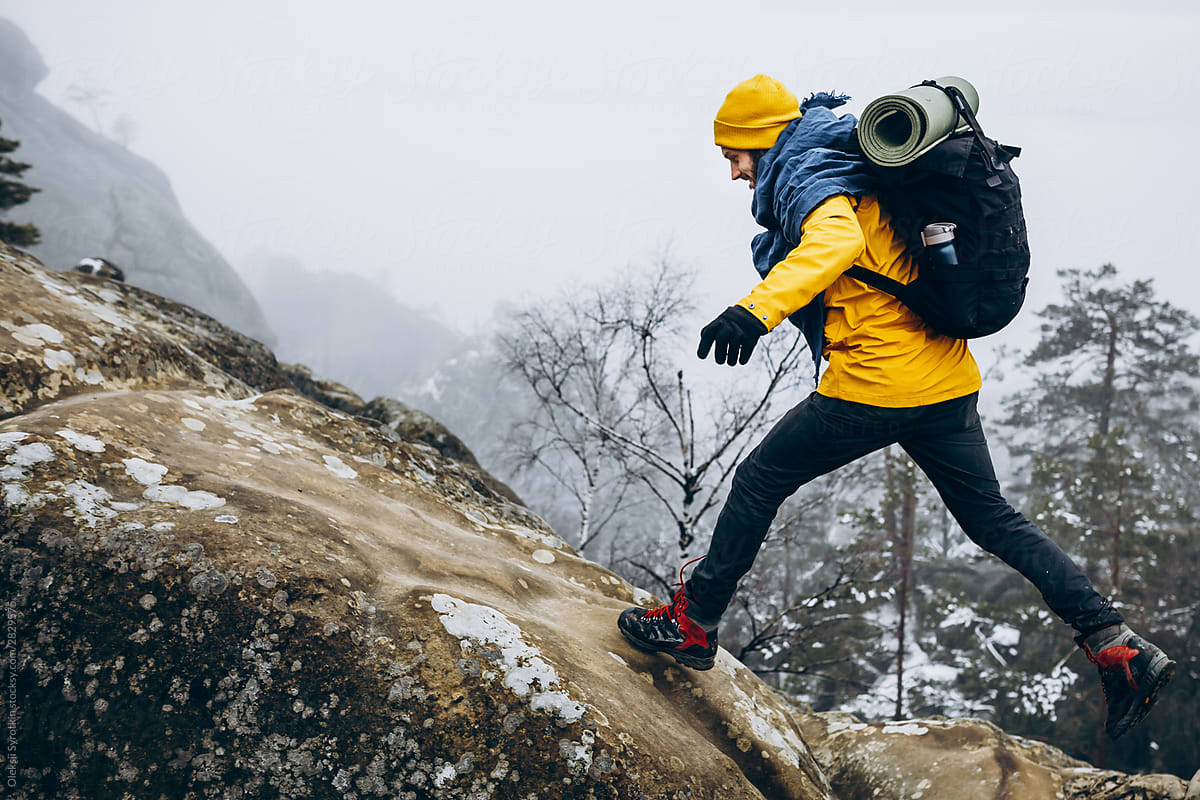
{"points": [[347, 327], [99, 199], [224, 578]]}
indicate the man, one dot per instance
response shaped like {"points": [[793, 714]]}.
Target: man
{"points": [[889, 379]]}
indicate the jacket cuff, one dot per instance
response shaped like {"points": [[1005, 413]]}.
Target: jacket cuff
{"points": [[760, 314]]}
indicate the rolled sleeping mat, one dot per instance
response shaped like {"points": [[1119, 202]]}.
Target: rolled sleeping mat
{"points": [[899, 128]]}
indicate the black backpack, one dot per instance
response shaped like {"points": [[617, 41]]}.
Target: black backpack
{"points": [[967, 180]]}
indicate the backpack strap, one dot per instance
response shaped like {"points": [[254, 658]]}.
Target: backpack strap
{"points": [[878, 281], [959, 101], [915, 296]]}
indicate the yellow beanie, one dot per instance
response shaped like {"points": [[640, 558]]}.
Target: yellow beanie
{"points": [[754, 114]]}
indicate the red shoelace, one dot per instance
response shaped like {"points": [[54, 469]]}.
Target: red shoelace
{"points": [[678, 601]]}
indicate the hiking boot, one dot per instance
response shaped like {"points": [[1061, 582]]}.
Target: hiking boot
{"points": [[668, 629], [1132, 672]]}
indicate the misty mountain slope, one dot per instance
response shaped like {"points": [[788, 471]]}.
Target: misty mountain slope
{"points": [[99, 199], [347, 328]]}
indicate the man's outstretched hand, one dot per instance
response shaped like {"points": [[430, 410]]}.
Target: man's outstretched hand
{"points": [[735, 333]]}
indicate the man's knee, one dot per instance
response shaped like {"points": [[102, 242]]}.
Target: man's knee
{"points": [[996, 525], [746, 479], [761, 486]]}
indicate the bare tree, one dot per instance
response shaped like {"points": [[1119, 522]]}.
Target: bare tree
{"points": [[614, 401], [93, 98], [900, 524], [582, 465], [96, 101]]}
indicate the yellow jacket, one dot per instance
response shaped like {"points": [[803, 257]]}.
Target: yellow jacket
{"points": [[879, 352]]}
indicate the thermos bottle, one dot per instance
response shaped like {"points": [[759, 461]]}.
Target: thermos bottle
{"points": [[938, 238]]}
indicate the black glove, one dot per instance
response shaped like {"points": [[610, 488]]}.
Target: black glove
{"points": [[735, 332]]}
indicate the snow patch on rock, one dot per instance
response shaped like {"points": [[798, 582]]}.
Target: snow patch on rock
{"points": [[27, 455], [15, 495], [526, 673], [144, 472], [23, 457], [57, 359], [37, 335], [10, 439], [91, 377], [150, 475], [768, 725], [81, 441], [339, 467], [841, 725], [89, 501], [179, 495], [104, 313], [221, 404], [234, 413]]}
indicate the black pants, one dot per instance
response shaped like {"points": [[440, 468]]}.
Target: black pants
{"points": [[945, 440]]}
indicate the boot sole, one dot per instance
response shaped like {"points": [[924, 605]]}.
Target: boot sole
{"points": [[694, 662], [1161, 670]]}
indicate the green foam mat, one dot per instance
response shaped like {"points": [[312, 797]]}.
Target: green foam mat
{"points": [[899, 128]]}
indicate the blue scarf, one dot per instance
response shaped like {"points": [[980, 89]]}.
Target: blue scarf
{"points": [[815, 158]]}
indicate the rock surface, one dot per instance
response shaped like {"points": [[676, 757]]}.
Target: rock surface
{"points": [[70, 333], [415, 425], [399, 420], [220, 588], [331, 393], [99, 199], [964, 759]]}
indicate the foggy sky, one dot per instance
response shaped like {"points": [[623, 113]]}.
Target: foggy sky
{"points": [[471, 153]]}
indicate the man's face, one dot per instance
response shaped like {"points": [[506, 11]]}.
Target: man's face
{"points": [[741, 164]]}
